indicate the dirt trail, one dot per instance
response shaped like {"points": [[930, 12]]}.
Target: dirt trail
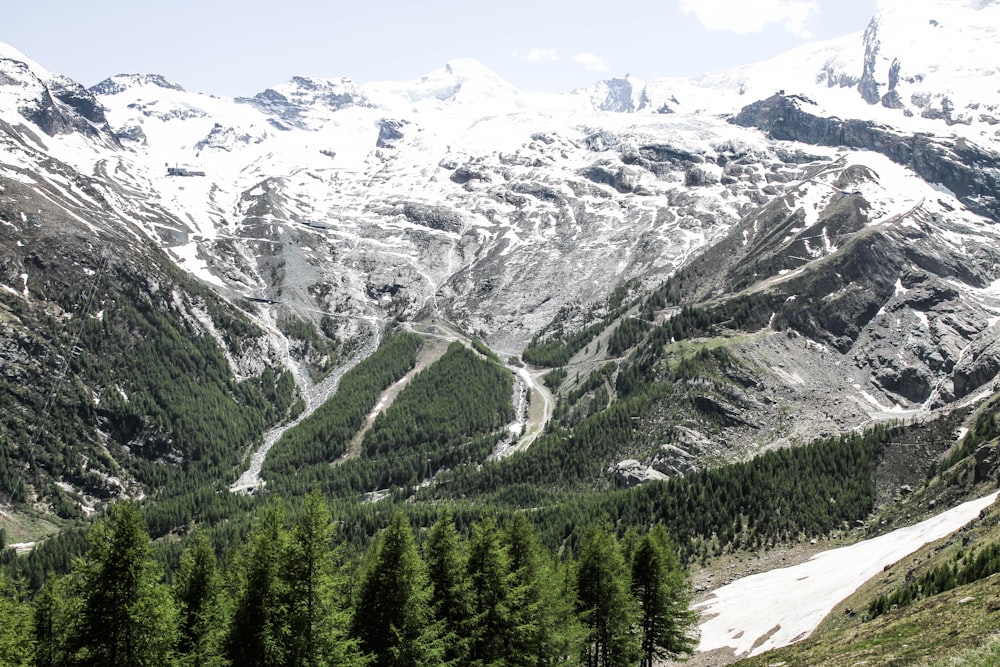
{"points": [[429, 352]]}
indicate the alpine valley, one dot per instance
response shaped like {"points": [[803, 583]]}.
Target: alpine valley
{"points": [[760, 307]]}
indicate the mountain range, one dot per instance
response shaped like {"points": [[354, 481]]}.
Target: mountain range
{"points": [[185, 278]]}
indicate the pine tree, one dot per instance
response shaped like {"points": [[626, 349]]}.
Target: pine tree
{"points": [[54, 610], [450, 592], [127, 618], [259, 628], [392, 617], [488, 573], [15, 625], [546, 627], [605, 603], [663, 589], [318, 622], [197, 591]]}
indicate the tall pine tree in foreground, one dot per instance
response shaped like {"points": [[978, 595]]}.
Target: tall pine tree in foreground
{"points": [[450, 603], [662, 587], [55, 610], [259, 626], [393, 614], [318, 622], [605, 603], [127, 617], [197, 590], [547, 630], [15, 625], [492, 622]]}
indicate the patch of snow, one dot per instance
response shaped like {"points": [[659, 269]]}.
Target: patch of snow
{"points": [[881, 408], [187, 256], [782, 606]]}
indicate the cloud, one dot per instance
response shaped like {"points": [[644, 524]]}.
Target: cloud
{"points": [[592, 61], [929, 5], [538, 55], [746, 16]]}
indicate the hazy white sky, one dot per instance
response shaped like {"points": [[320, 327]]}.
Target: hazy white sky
{"points": [[240, 47]]}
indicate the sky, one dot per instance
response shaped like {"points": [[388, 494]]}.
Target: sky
{"points": [[241, 47]]}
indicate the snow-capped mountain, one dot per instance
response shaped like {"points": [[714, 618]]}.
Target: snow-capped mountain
{"points": [[846, 191], [916, 64]]}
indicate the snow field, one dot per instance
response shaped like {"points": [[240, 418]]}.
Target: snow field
{"points": [[773, 609]]}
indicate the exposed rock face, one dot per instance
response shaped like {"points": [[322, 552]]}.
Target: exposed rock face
{"points": [[987, 463], [435, 217], [223, 138], [632, 473], [65, 107], [868, 86], [301, 97], [389, 132], [971, 172], [624, 95], [622, 178]]}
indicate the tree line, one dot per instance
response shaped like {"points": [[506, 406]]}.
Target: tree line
{"points": [[778, 496], [288, 596]]}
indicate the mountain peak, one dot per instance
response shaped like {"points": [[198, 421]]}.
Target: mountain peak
{"points": [[460, 80], [8, 52], [469, 68], [121, 82]]}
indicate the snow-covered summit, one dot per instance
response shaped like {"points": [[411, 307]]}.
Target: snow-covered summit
{"points": [[121, 82], [926, 66], [55, 104], [463, 81], [22, 79], [934, 59], [11, 59]]}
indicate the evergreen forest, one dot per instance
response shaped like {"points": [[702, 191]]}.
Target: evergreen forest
{"points": [[291, 594]]}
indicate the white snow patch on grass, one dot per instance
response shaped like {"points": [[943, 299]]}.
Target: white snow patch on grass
{"points": [[792, 601]]}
